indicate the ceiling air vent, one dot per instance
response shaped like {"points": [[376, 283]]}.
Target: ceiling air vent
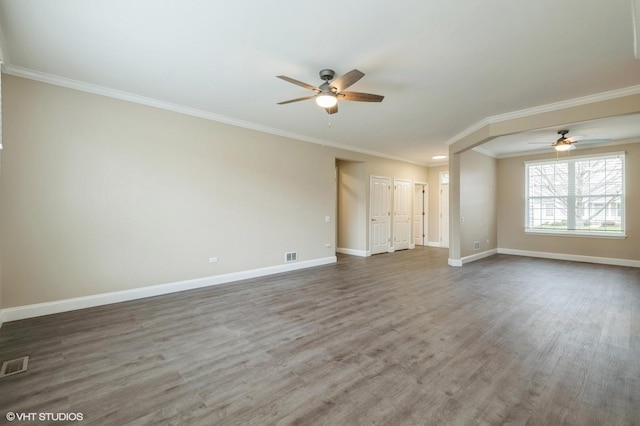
{"points": [[14, 366]]}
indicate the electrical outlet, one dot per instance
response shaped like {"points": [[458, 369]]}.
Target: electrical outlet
{"points": [[476, 245], [213, 260], [327, 219]]}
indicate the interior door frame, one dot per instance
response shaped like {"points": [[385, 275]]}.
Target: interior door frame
{"points": [[441, 231], [425, 217]]}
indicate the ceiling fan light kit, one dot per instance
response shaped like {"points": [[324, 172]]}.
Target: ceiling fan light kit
{"points": [[326, 100], [328, 93], [565, 146]]}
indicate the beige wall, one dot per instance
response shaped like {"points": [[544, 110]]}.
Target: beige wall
{"points": [[100, 195], [511, 212], [477, 202]]}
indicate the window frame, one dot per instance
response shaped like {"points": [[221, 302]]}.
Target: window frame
{"points": [[621, 205]]}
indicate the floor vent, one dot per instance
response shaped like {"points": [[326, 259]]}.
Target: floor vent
{"points": [[291, 256], [15, 366]]}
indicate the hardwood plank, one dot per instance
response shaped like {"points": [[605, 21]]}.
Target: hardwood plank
{"points": [[398, 338]]}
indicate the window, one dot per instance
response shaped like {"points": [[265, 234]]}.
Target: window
{"points": [[579, 195]]}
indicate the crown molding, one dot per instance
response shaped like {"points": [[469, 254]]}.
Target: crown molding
{"points": [[156, 103], [556, 106], [466, 132], [627, 141], [484, 151]]}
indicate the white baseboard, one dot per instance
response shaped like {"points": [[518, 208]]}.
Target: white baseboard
{"points": [[48, 308], [412, 246], [433, 243], [472, 258], [1, 318], [478, 256], [454, 262], [353, 252], [572, 257]]}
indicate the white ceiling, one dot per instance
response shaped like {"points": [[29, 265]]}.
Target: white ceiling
{"points": [[441, 65]]}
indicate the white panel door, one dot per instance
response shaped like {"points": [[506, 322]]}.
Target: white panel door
{"points": [[380, 214], [420, 215], [401, 214], [444, 215]]}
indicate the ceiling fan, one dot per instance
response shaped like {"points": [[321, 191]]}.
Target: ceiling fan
{"points": [[328, 93], [565, 143]]}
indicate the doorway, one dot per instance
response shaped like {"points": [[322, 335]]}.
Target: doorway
{"points": [[444, 209], [420, 214]]}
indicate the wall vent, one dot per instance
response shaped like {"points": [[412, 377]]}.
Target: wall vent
{"points": [[14, 366], [291, 256]]}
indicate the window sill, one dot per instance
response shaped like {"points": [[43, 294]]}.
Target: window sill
{"points": [[611, 236]]}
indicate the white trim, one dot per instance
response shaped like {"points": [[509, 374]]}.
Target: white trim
{"points": [[579, 148], [572, 257], [433, 243], [440, 209], [466, 132], [353, 252], [485, 151], [156, 103], [598, 156], [569, 103], [412, 246], [478, 256], [472, 258], [455, 262], [48, 308], [576, 233], [1, 318]]}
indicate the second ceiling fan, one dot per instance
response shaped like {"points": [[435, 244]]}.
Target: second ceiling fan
{"points": [[565, 143], [328, 93]]}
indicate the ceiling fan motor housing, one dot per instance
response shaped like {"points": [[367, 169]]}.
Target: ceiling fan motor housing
{"points": [[327, 74]]}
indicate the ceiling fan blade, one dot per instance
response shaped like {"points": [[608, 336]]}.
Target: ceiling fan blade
{"points": [[360, 97], [332, 110], [347, 80], [298, 83], [592, 141], [575, 138], [296, 100]]}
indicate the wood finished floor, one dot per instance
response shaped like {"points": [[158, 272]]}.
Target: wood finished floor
{"points": [[393, 339]]}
